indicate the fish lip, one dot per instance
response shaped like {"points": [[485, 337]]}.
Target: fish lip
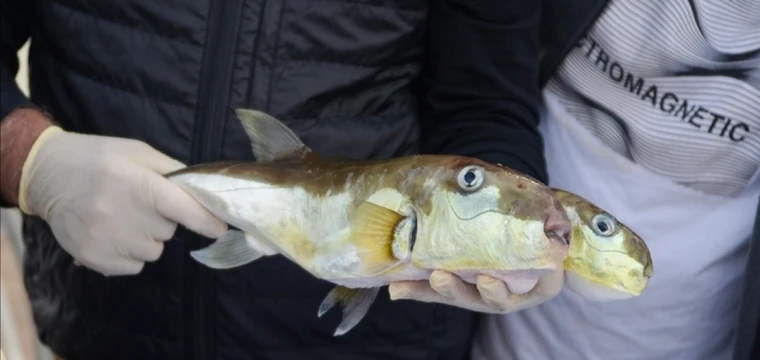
{"points": [[557, 224], [648, 270], [562, 235], [643, 249], [558, 235], [561, 239]]}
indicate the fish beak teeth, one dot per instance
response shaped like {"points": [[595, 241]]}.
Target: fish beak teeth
{"points": [[563, 235], [557, 225], [560, 234]]}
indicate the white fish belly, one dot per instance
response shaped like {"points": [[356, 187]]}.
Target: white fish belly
{"points": [[289, 219]]}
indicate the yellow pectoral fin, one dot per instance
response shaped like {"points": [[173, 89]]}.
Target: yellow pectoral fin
{"points": [[372, 232]]}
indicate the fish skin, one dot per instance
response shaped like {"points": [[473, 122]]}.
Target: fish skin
{"points": [[616, 265], [301, 191], [363, 224]]}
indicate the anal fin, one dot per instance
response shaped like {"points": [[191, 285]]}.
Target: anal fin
{"points": [[354, 302], [231, 250]]}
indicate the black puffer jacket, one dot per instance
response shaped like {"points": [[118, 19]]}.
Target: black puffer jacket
{"points": [[342, 74]]}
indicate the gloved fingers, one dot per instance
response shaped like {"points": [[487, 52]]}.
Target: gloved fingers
{"points": [[161, 228], [146, 250], [114, 267], [154, 159], [177, 205], [125, 267]]}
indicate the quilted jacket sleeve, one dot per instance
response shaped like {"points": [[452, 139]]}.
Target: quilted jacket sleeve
{"points": [[481, 82]]}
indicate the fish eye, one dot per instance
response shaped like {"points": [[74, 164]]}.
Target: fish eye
{"points": [[604, 224], [470, 178]]}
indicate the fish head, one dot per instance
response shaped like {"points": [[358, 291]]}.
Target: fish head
{"points": [[481, 218], [607, 260]]}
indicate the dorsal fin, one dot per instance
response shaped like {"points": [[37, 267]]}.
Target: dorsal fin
{"points": [[271, 140]]}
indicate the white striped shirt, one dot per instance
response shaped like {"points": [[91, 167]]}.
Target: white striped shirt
{"points": [[673, 85], [655, 117]]}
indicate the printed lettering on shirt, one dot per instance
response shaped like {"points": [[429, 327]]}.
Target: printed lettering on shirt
{"points": [[675, 89], [670, 103]]}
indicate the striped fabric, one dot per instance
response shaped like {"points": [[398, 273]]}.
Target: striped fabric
{"points": [[674, 85]]}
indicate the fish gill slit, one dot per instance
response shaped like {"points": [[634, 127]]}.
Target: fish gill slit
{"points": [[413, 233], [414, 218]]}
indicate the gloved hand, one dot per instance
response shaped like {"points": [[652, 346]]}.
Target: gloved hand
{"points": [[490, 295], [106, 200]]}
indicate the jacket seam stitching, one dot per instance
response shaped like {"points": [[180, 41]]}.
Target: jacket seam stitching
{"points": [[250, 90], [336, 62], [422, 8], [129, 91], [351, 117], [276, 51], [122, 24]]}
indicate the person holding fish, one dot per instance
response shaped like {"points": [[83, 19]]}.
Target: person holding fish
{"points": [[125, 93], [305, 147], [651, 110]]}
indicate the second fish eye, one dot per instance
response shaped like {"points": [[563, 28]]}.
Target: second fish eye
{"points": [[470, 178], [604, 224]]}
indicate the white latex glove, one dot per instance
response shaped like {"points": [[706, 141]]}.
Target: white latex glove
{"points": [[106, 200], [489, 295]]}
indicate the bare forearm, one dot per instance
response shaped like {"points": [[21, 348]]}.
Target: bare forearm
{"points": [[18, 131]]}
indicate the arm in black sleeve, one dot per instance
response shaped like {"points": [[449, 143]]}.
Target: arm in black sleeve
{"points": [[481, 82], [15, 19]]}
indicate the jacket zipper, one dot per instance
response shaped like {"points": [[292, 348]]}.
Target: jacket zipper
{"points": [[216, 71]]}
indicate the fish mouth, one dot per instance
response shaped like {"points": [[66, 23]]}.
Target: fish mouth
{"points": [[643, 255], [648, 269], [558, 237], [557, 225], [560, 234]]}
